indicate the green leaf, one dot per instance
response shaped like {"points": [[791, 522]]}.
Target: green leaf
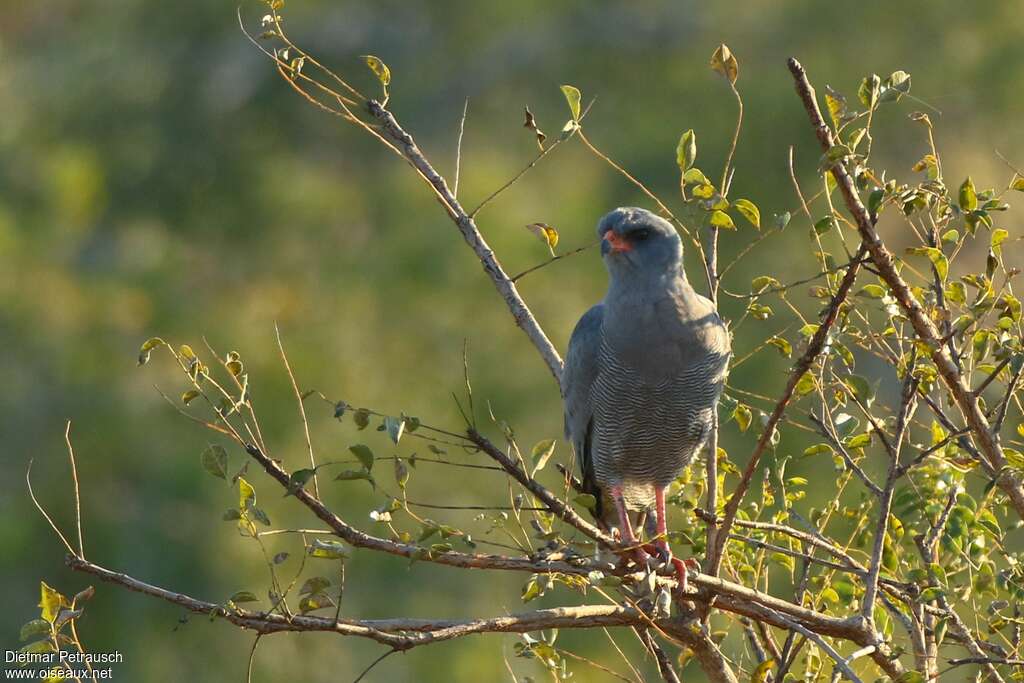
{"points": [[872, 291], [328, 550], [244, 596], [817, 449], [749, 211], [38, 647], [540, 454], [895, 86], [862, 389], [353, 475], [395, 427], [934, 255], [314, 584], [586, 500], [573, 97], [825, 224], [695, 175], [36, 627], [911, 677], [215, 461], [379, 69], [968, 196], [364, 454], [721, 219], [298, 479], [999, 236], [724, 62], [188, 396], [869, 90], [686, 153], [1017, 184]]}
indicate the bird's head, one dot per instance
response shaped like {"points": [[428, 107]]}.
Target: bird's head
{"points": [[635, 241]]}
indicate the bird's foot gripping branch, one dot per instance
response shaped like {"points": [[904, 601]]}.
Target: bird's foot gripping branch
{"points": [[904, 571]]}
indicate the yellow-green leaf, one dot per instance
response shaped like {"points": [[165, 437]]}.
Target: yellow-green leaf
{"points": [[379, 68], [721, 219], [968, 195], [1017, 184], [246, 494], [541, 453], [743, 416], [50, 602], [686, 153], [546, 234], [572, 96], [749, 211], [187, 397]]}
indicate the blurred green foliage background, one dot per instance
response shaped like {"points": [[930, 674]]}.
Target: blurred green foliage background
{"points": [[158, 178]]}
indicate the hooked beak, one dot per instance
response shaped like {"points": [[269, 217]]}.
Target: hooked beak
{"points": [[613, 242]]}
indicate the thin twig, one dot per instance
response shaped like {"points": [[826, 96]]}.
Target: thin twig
{"points": [[32, 495], [458, 149], [814, 348], [74, 480], [302, 409]]}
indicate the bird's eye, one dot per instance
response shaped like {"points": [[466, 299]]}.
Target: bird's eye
{"points": [[641, 235]]}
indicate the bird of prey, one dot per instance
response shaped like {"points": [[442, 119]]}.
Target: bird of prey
{"points": [[643, 373]]}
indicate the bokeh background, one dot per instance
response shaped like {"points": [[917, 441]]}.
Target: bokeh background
{"points": [[157, 178]]}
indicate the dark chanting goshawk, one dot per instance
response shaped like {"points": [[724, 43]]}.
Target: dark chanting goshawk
{"points": [[643, 373]]}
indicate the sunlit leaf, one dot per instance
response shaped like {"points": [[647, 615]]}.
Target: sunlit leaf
{"points": [[395, 428], [721, 219], [50, 602], [686, 154], [546, 234], [327, 549], [743, 416], [572, 96], [749, 211], [540, 454], [379, 69]]}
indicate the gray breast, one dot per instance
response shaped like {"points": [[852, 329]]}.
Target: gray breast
{"points": [[647, 432]]}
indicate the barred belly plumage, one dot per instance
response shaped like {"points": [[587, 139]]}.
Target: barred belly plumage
{"points": [[646, 433]]}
